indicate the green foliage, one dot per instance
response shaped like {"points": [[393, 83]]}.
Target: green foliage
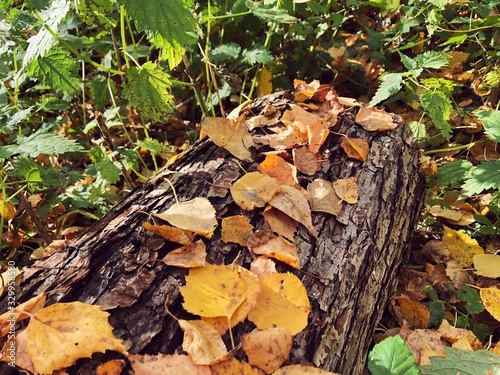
{"points": [[491, 121], [392, 357], [465, 362], [485, 175]]}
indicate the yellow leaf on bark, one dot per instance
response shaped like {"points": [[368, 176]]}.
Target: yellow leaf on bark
{"points": [[355, 148], [31, 306], [346, 189], [234, 367], [213, 291], [254, 189], [487, 265], [267, 349], [188, 256], [60, 334], [279, 248], [236, 229], [162, 364], [196, 215], [202, 342], [171, 234], [491, 301], [462, 247], [282, 302]]}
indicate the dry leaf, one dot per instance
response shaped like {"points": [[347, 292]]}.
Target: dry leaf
{"points": [[196, 215], [280, 223], [267, 349], [31, 306], [162, 364], [282, 302], [233, 367], [487, 265], [7, 209], [355, 148], [373, 119], [171, 234], [276, 167], [188, 256], [285, 137], [264, 82], [293, 203], [19, 354], [453, 334], [347, 189], [254, 189], [111, 367], [202, 342], [60, 334], [317, 132], [424, 338], [323, 198], [462, 247], [230, 134], [414, 312], [302, 370], [280, 249], [453, 216], [491, 301], [306, 161], [236, 229], [263, 266]]}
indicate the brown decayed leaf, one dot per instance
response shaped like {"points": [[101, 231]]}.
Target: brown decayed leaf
{"points": [[253, 289], [19, 355], [262, 120], [267, 349], [462, 247], [323, 198], [453, 216], [189, 256], [60, 334], [424, 338], [306, 161], [373, 119], [213, 291], [426, 353], [162, 364], [282, 302], [355, 148], [299, 118], [230, 134], [491, 301], [254, 189], [293, 203], [317, 132], [171, 234], [286, 137], [280, 249], [263, 266], [202, 342], [414, 312], [233, 367], [276, 167], [302, 370], [31, 306], [346, 189], [196, 215], [453, 334], [280, 223], [236, 229]]}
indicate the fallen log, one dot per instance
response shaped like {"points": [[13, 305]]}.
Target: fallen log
{"points": [[348, 265]]}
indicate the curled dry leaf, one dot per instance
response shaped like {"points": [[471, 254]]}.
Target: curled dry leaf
{"points": [[267, 349], [162, 364], [302, 370], [171, 234], [346, 189], [254, 189], [196, 215], [263, 266], [318, 131], [233, 366], [280, 223], [202, 342], [306, 161], [279, 248], [229, 134], [355, 148], [414, 312], [453, 334], [188, 256], [323, 198], [31, 306], [276, 167], [236, 229], [373, 119]]}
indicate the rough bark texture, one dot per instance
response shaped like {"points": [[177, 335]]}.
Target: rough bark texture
{"points": [[350, 269]]}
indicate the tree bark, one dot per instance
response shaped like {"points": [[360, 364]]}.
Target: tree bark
{"points": [[350, 270]]}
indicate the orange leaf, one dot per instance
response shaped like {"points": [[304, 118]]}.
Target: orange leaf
{"points": [[171, 234], [373, 119], [202, 342], [278, 248], [302, 370], [31, 306], [276, 167], [236, 229], [355, 148], [234, 367], [162, 364], [254, 189], [188, 256]]}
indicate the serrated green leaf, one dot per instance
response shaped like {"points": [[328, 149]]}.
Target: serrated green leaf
{"points": [[408, 62], [433, 59], [456, 39], [392, 357], [148, 90], [473, 299], [224, 52], [171, 51], [485, 175], [491, 123], [35, 176], [106, 173], [439, 84], [418, 130], [153, 146], [453, 173], [391, 84], [43, 41], [389, 5], [463, 362], [95, 11], [56, 69], [438, 3], [269, 14], [439, 107], [257, 55]]}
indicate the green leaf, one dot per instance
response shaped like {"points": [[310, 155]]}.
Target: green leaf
{"points": [[391, 84], [225, 52], [43, 41], [153, 146], [106, 173], [438, 3], [456, 39], [464, 362], [418, 130], [485, 175], [471, 296], [439, 84], [491, 122], [439, 107], [408, 63], [36, 177], [269, 14], [257, 55], [95, 11], [453, 173], [433, 59], [437, 310], [389, 5], [171, 51], [392, 357], [148, 90], [56, 69], [40, 143]]}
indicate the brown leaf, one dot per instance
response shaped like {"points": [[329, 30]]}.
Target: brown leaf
{"points": [[171, 234], [188, 256], [202, 342], [236, 229], [233, 367], [229, 134], [373, 119], [280, 223], [346, 189], [162, 364], [323, 198], [306, 161]]}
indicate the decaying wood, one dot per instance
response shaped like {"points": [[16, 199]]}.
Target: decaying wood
{"points": [[349, 270]]}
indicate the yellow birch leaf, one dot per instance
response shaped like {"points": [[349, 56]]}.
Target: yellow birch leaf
{"points": [[302, 370], [188, 256], [265, 82], [236, 229], [355, 148], [267, 349], [487, 265], [254, 189], [282, 302], [346, 189], [162, 364], [213, 291], [202, 342], [31, 306], [7, 209], [111, 367], [196, 215], [171, 234], [462, 247], [293, 203], [491, 301], [229, 134], [60, 334], [234, 367]]}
